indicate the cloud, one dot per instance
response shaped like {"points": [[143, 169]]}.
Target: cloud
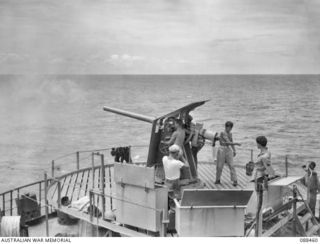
{"points": [[126, 58], [12, 57], [114, 57]]}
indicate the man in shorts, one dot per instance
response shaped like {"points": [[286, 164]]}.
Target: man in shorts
{"points": [[172, 166], [226, 152]]}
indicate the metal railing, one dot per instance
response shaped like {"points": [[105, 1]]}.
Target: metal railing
{"points": [[82, 159], [9, 199], [81, 162]]}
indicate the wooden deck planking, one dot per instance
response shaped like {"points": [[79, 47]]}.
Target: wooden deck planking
{"points": [[207, 173], [87, 187], [64, 186], [70, 185], [80, 185], [75, 184]]}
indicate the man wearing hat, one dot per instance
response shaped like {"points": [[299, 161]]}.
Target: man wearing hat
{"points": [[312, 182], [172, 166]]}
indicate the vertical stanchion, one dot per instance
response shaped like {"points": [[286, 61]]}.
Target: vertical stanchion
{"points": [[78, 160], [110, 184], [4, 204], [52, 168], [90, 206], [251, 155], [92, 162], [11, 203], [294, 229], [259, 190], [40, 196], [91, 212], [46, 202], [59, 194], [286, 165], [102, 184], [18, 197]]}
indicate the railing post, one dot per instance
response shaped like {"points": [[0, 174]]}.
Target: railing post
{"points": [[92, 162], [259, 190], [46, 202], [110, 185], [11, 203], [52, 168], [91, 212], [59, 194], [4, 204], [251, 155], [90, 205], [294, 211], [286, 162], [78, 160], [102, 184], [39, 195]]}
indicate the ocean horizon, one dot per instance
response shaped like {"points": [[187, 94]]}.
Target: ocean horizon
{"points": [[45, 116]]}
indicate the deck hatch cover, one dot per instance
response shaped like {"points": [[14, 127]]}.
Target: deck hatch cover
{"points": [[209, 197]]}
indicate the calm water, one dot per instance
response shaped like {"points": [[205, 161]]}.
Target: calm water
{"points": [[42, 117]]}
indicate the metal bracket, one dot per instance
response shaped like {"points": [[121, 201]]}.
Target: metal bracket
{"points": [[122, 184], [146, 189]]}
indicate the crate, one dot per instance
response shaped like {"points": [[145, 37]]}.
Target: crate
{"points": [[207, 212], [275, 196], [139, 200]]}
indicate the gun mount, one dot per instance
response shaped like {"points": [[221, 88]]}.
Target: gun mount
{"points": [[160, 130]]}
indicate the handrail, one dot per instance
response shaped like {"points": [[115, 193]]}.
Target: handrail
{"points": [[95, 150], [10, 205], [23, 186], [81, 170]]}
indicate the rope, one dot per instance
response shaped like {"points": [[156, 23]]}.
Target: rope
{"points": [[10, 226]]}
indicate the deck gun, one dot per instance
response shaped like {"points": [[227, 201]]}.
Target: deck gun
{"points": [[159, 131]]}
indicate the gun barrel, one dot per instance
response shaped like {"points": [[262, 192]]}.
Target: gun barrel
{"points": [[129, 114]]}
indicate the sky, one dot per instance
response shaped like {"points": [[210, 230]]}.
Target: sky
{"points": [[160, 37]]}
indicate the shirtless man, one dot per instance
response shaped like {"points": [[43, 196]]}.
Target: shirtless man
{"points": [[178, 136]]}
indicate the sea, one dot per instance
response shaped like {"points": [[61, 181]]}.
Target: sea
{"points": [[49, 117]]}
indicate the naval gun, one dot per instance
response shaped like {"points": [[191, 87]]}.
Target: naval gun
{"points": [[162, 130]]}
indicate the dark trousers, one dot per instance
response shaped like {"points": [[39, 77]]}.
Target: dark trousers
{"points": [[312, 202], [194, 151]]}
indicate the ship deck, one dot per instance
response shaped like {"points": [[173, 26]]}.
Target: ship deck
{"points": [[78, 184], [207, 174]]}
